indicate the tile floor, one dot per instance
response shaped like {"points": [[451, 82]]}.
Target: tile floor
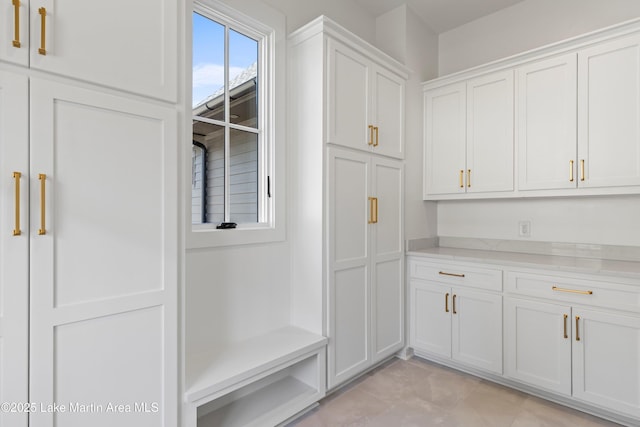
{"points": [[418, 393]]}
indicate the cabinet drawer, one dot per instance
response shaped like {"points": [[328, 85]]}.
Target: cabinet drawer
{"points": [[456, 274], [575, 290]]}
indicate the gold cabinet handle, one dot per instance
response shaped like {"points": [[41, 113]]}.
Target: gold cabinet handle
{"points": [[16, 177], [577, 330], [43, 26], [454, 304], [446, 302], [461, 178], [570, 170], [469, 178], [16, 26], [582, 170], [565, 326], [373, 210], [375, 128], [43, 179], [370, 135], [444, 273], [571, 291]]}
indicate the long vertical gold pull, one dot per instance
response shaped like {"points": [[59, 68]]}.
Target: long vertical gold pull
{"points": [[16, 26], [371, 210], [577, 331], [469, 178], [570, 170], [454, 304], [370, 135], [43, 27], [461, 178], [565, 326], [375, 210], [16, 177], [446, 302], [582, 170], [43, 179], [375, 128]]}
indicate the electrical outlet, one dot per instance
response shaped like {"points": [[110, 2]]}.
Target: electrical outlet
{"points": [[524, 228]]}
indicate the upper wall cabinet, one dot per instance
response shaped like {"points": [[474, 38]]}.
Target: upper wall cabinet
{"points": [[80, 39], [609, 114], [469, 136], [576, 122], [365, 108]]}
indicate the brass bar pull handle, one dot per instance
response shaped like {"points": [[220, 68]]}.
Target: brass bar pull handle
{"points": [[571, 291], [446, 302], [570, 170], [582, 170], [461, 178], [16, 26], [469, 178], [444, 273], [370, 135], [43, 229], [16, 177], [577, 330], [375, 128], [565, 326], [371, 210], [375, 210], [43, 26], [454, 304]]}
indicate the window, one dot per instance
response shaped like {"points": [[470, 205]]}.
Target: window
{"points": [[231, 147]]}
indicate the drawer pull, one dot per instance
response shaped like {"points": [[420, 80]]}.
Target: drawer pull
{"points": [[577, 330], [571, 291], [443, 273], [565, 326], [446, 302]]}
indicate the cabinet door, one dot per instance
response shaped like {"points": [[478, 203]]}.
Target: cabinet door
{"points": [[609, 114], [103, 257], [348, 265], [606, 360], [490, 133], [430, 317], [348, 97], [14, 245], [118, 43], [445, 139], [388, 112], [14, 37], [538, 344], [476, 324], [546, 98], [387, 236]]}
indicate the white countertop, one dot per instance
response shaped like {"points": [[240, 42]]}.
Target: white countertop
{"points": [[628, 269]]}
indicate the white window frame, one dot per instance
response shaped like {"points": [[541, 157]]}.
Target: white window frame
{"points": [[269, 227]]}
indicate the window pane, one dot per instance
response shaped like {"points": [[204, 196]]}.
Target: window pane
{"points": [[243, 79], [208, 68], [243, 177], [207, 189]]}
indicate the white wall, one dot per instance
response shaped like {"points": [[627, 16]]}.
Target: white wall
{"points": [[527, 25], [402, 35]]}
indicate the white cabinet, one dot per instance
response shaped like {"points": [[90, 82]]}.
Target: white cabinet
{"points": [[456, 322], [609, 114], [347, 226], [14, 244], [365, 102], [591, 354], [126, 45], [547, 123], [469, 136], [365, 292]]}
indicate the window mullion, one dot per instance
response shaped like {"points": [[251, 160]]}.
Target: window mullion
{"points": [[227, 133]]}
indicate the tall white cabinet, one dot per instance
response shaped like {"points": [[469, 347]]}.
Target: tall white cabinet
{"points": [[346, 139], [89, 237]]}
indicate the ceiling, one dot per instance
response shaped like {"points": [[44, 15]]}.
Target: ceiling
{"points": [[440, 15]]}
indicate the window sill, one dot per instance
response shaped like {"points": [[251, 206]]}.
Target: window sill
{"points": [[202, 237]]}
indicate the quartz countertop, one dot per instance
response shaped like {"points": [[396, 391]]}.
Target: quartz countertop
{"points": [[628, 269]]}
